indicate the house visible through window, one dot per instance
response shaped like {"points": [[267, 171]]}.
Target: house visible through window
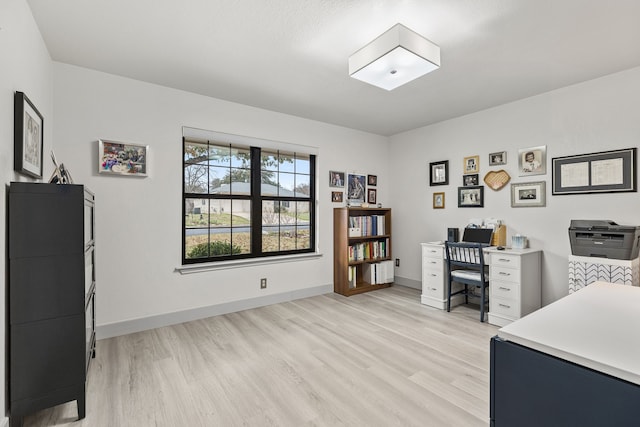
{"points": [[244, 202]]}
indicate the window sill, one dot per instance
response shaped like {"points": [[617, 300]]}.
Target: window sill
{"points": [[223, 265]]}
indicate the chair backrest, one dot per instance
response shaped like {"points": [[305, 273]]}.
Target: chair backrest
{"points": [[464, 254]]}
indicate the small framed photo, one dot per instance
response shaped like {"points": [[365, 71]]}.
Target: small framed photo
{"points": [[355, 189], [438, 200], [471, 197], [371, 196], [337, 196], [498, 158], [28, 137], [372, 180], [336, 179], [532, 161], [470, 180], [471, 164], [122, 158], [528, 194], [439, 173]]}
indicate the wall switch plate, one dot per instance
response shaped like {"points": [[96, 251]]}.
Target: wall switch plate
{"points": [[263, 283]]}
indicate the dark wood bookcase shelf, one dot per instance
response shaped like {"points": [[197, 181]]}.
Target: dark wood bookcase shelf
{"points": [[348, 273]]}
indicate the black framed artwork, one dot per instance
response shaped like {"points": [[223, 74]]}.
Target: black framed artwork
{"points": [[471, 197], [602, 172], [28, 137], [439, 173]]}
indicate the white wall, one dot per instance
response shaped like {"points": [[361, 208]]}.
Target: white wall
{"points": [[597, 115], [26, 67], [138, 220]]}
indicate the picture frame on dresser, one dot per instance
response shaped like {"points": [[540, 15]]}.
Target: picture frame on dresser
{"points": [[28, 137]]}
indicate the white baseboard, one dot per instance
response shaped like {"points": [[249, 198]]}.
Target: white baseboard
{"points": [[409, 283], [137, 325]]}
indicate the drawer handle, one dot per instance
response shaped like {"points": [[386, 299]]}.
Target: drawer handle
{"points": [[504, 260], [502, 273], [504, 289], [434, 289], [504, 305], [433, 275], [433, 262]]}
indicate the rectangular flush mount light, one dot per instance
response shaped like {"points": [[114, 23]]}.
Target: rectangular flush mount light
{"points": [[396, 57]]}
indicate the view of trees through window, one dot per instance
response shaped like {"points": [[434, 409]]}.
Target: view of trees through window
{"points": [[243, 202]]}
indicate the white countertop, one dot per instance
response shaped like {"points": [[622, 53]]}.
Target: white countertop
{"points": [[597, 327]]}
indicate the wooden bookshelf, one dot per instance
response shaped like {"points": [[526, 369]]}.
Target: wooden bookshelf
{"points": [[355, 252]]}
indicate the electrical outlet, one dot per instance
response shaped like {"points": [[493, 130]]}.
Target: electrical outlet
{"points": [[263, 283], [397, 262]]}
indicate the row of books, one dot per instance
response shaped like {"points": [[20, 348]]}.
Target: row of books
{"points": [[368, 225], [378, 273], [369, 250]]}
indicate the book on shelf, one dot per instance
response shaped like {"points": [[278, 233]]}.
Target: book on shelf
{"points": [[378, 273], [369, 250], [366, 225]]}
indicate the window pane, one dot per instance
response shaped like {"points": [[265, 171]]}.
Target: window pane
{"points": [[195, 245], [219, 155], [197, 228], [270, 239], [195, 179], [219, 179], [303, 237], [270, 212], [240, 181], [241, 222], [221, 242], [286, 182], [269, 160], [240, 158], [302, 164], [288, 238], [302, 212], [287, 213], [195, 153], [302, 186], [286, 162], [196, 213]]}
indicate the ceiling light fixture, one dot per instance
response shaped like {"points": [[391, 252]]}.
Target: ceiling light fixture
{"points": [[396, 57]]}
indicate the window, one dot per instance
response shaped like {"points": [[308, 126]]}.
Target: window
{"points": [[245, 202]]}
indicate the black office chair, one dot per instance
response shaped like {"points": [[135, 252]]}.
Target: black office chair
{"points": [[465, 262]]}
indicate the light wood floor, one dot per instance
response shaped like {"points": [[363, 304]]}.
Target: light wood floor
{"points": [[376, 359]]}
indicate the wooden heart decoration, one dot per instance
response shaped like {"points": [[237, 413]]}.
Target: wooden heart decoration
{"points": [[497, 179]]}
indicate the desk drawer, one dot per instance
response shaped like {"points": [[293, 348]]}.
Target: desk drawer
{"points": [[505, 260], [507, 274], [505, 290], [433, 277], [433, 263], [433, 252], [504, 307]]}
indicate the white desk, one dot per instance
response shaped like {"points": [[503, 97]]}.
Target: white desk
{"points": [[573, 362], [514, 281]]}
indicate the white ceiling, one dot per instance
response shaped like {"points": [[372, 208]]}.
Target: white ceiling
{"points": [[291, 55]]}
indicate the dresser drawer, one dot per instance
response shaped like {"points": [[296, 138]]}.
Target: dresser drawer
{"points": [[507, 274], [506, 290], [505, 260], [432, 263], [504, 307], [433, 277], [432, 252]]}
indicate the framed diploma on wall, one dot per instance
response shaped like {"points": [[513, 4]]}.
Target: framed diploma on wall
{"points": [[604, 172]]}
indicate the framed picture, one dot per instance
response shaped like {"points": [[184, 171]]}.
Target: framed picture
{"points": [[372, 180], [471, 164], [470, 180], [28, 137], [498, 158], [438, 200], [528, 194], [371, 196], [336, 196], [603, 172], [336, 179], [355, 190], [439, 173], [471, 197], [122, 158], [532, 161]]}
